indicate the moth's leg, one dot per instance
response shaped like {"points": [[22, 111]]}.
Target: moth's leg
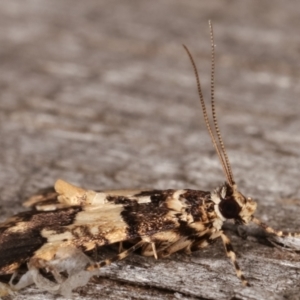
{"points": [[158, 242], [270, 230], [95, 252], [199, 243], [289, 241], [154, 250], [106, 262], [121, 248], [231, 254], [181, 244]]}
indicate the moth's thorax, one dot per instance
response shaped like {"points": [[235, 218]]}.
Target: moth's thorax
{"points": [[231, 204]]}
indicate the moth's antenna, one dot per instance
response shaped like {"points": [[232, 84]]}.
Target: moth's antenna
{"points": [[205, 114], [229, 173], [218, 143]]}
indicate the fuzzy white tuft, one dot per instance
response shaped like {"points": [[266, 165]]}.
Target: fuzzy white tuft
{"points": [[68, 260]]}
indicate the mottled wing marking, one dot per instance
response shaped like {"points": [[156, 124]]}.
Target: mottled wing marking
{"points": [[64, 194], [119, 219], [21, 235]]}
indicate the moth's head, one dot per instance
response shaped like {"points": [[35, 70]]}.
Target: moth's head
{"points": [[231, 204]]}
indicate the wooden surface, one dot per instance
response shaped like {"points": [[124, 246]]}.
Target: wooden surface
{"points": [[101, 94]]}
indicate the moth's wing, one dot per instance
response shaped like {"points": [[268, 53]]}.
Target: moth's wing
{"points": [[41, 233], [43, 199], [21, 235], [112, 223], [48, 199], [64, 194], [159, 217]]}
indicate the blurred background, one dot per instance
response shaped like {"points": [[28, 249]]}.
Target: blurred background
{"points": [[102, 94]]}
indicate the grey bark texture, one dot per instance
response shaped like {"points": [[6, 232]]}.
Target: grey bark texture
{"points": [[102, 94]]}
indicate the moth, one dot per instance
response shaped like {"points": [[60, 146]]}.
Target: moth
{"points": [[50, 245]]}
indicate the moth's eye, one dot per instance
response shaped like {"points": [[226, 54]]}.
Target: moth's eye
{"points": [[229, 208]]}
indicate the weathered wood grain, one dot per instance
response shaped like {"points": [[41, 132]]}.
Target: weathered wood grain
{"points": [[101, 93]]}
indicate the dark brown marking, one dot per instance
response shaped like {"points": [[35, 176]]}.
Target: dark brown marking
{"points": [[236, 265], [146, 219], [102, 264], [19, 246], [196, 245], [228, 247], [157, 197], [185, 230], [198, 199], [121, 200], [83, 234]]}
